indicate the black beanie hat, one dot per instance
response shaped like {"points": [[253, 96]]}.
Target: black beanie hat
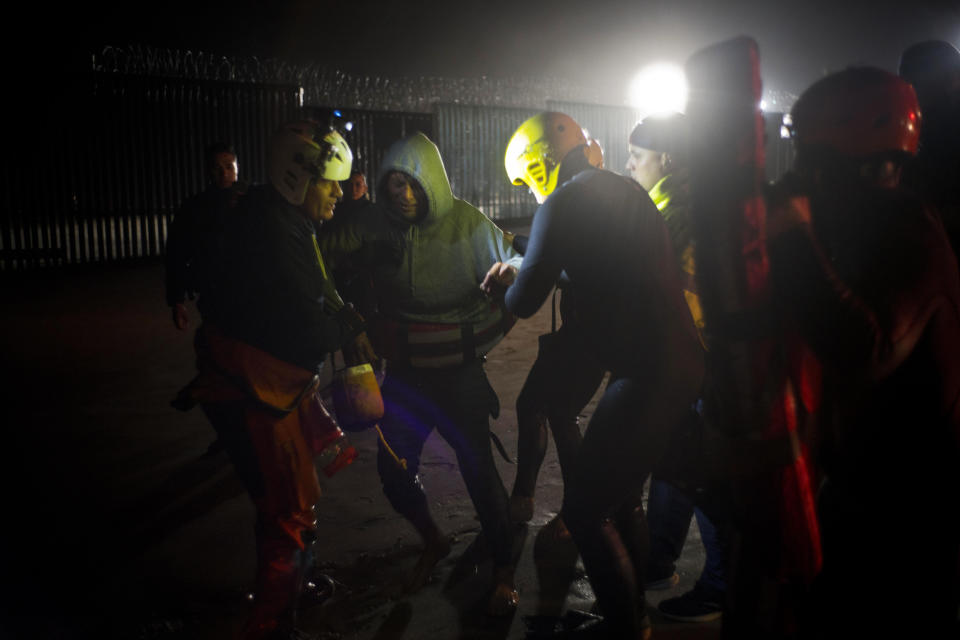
{"points": [[667, 133], [928, 60]]}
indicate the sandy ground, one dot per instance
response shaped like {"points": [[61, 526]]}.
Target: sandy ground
{"points": [[118, 527]]}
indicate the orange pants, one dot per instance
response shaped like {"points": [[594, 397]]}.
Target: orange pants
{"points": [[260, 407]]}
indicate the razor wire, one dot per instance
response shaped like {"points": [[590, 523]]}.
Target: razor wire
{"points": [[327, 85]]}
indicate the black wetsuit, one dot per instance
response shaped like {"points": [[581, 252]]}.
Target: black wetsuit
{"points": [[560, 383], [605, 233]]}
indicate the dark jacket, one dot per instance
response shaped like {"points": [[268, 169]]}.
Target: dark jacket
{"points": [[271, 288], [193, 238], [671, 195]]}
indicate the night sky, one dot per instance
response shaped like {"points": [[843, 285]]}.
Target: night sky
{"points": [[599, 43]]}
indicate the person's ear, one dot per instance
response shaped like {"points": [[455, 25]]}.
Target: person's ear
{"points": [[666, 162]]}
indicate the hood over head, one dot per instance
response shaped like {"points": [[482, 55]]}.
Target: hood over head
{"points": [[418, 157]]}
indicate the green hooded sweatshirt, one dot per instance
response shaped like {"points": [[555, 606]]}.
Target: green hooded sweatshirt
{"points": [[428, 271]]}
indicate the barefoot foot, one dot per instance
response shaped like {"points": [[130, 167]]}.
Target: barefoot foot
{"points": [[433, 552], [504, 599]]}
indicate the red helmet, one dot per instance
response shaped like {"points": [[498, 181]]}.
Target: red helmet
{"points": [[858, 112]]}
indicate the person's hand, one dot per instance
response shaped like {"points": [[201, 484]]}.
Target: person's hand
{"points": [[181, 318], [359, 351], [500, 276]]}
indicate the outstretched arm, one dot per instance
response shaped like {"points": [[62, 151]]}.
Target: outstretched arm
{"points": [[542, 262]]}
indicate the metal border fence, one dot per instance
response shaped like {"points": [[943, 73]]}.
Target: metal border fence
{"points": [[101, 176], [610, 126], [100, 183], [472, 141], [373, 132]]}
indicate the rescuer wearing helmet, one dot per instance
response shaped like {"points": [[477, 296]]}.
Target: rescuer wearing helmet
{"points": [[864, 272], [271, 315], [195, 230], [604, 232], [562, 379], [658, 151], [426, 252]]}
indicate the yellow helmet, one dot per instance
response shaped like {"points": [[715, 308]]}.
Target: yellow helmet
{"points": [[303, 151], [536, 149]]}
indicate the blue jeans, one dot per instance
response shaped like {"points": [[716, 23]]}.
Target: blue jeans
{"points": [[668, 515]]}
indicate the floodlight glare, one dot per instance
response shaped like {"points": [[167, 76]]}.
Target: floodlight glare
{"points": [[659, 89]]}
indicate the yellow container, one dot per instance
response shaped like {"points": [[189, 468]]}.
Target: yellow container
{"points": [[356, 397]]}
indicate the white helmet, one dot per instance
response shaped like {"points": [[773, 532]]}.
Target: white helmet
{"points": [[304, 151]]}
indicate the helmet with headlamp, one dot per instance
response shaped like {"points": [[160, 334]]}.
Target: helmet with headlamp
{"points": [[305, 151]]}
